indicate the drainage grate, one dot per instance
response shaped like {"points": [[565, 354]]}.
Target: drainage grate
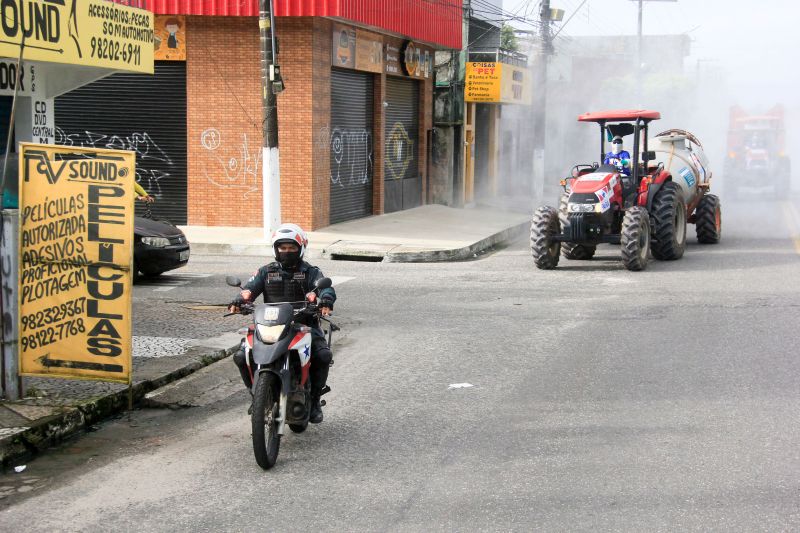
{"points": [[364, 258]]}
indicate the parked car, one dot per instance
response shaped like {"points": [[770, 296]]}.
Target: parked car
{"points": [[158, 246]]}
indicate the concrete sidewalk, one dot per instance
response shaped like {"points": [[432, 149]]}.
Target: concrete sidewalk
{"points": [[423, 234], [57, 409]]}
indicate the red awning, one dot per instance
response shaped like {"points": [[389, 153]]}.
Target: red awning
{"points": [[619, 115], [437, 23]]}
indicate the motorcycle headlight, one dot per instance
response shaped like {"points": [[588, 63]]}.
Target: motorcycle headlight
{"points": [[270, 334], [158, 242], [581, 208]]}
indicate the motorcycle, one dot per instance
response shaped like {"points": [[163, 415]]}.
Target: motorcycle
{"points": [[278, 356]]}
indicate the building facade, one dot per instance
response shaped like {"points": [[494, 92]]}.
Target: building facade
{"points": [[354, 122]]}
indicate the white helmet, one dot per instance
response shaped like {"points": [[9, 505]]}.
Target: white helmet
{"points": [[289, 233], [616, 145]]}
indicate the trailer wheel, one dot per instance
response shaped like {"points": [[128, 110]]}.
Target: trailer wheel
{"points": [[709, 220], [669, 223], [568, 249], [635, 238], [544, 227]]}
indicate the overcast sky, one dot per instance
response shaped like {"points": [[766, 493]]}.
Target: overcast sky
{"points": [[757, 42]]}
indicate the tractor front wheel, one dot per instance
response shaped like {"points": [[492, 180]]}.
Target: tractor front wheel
{"points": [[635, 238], [544, 249]]}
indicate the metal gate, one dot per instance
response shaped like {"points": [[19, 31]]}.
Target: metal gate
{"points": [[351, 145], [403, 183], [138, 112]]}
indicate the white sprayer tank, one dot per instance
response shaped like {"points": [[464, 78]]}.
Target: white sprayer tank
{"points": [[683, 157]]}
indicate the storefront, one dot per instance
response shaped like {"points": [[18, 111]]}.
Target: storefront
{"points": [[142, 113], [354, 120]]}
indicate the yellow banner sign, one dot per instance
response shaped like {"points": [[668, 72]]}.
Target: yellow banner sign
{"points": [[93, 33], [76, 251], [482, 82], [497, 83]]}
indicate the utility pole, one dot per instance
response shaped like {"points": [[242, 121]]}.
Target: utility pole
{"points": [[271, 84], [639, 54], [639, 66], [540, 101]]}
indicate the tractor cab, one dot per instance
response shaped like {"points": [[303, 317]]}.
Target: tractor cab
{"points": [[624, 124]]}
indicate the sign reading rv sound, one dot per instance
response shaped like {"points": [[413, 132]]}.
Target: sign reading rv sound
{"points": [[76, 246]]}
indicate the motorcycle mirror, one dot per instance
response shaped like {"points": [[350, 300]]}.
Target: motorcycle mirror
{"points": [[233, 281], [323, 283]]}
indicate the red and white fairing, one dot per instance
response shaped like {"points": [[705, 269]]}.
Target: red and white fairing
{"points": [[302, 343], [605, 186]]}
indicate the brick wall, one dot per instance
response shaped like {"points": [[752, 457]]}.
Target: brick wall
{"points": [[224, 122], [223, 81]]}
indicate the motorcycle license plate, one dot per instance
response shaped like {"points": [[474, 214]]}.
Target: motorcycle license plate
{"points": [[271, 313], [183, 256]]}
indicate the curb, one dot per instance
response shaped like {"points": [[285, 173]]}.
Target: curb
{"points": [[49, 431], [397, 255], [390, 253]]}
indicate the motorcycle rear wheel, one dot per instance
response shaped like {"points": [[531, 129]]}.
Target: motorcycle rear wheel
{"points": [[266, 441]]}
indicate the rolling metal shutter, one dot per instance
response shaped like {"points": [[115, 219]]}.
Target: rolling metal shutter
{"points": [[351, 145], [139, 112], [403, 183]]}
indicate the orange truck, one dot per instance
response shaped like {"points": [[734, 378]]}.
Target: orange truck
{"points": [[757, 160]]}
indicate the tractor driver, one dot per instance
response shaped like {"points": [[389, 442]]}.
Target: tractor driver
{"points": [[618, 156]]}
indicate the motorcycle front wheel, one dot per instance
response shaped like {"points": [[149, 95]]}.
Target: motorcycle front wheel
{"points": [[266, 441]]}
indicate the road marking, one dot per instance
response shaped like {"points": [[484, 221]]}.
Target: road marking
{"points": [[792, 219], [338, 280], [167, 282]]}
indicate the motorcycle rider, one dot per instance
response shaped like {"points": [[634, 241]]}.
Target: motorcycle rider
{"points": [[290, 279], [618, 156]]}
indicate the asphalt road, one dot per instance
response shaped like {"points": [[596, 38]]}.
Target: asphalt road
{"points": [[601, 400]]}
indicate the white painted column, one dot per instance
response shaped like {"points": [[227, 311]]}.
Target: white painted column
{"points": [[272, 191]]}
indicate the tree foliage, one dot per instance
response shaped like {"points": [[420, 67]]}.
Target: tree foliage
{"points": [[508, 40]]}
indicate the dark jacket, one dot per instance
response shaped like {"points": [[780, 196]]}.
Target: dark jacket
{"points": [[279, 285]]}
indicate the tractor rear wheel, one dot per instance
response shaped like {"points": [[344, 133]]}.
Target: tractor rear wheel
{"points": [[635, 238], [568, 249], [669, 223], [544, 227], [709, 220]]}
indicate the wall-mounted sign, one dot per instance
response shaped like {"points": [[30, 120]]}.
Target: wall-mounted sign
{"points": [[76, 253], [92, 33], [170, 38], [407, 58], [369, 51], [27, 79], [482, 83], [392, 56], [515, 85], [497, 83], [344, 46]]}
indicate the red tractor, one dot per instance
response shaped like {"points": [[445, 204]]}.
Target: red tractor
{"points": [[643, 203]]}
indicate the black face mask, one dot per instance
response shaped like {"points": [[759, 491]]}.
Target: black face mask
{"points": [[288, 260]]}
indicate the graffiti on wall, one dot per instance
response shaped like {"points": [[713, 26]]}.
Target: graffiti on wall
{"points": [[399, 151], [237, 172], [146, 150], [350, 155]]}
